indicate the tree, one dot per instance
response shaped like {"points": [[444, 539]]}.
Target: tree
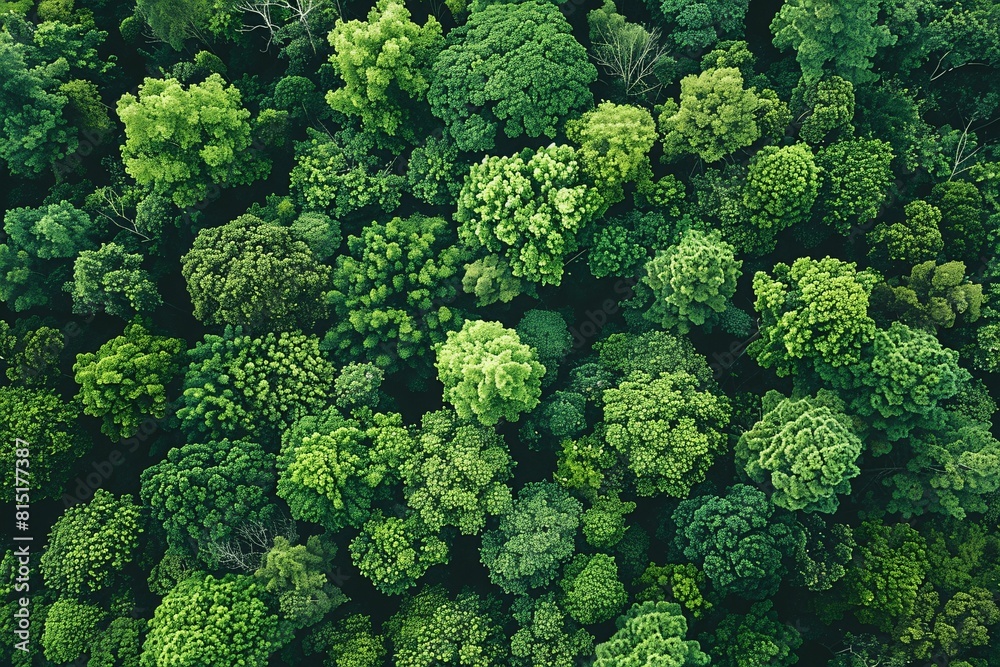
{"points": [[594, 593], [432, 629], [492, 280], [232, 281], [832, 37], [392, 290], [207, 144], [330, 471], [357, 386], [756, 639], [533, 539], [394, 553], [435, 172], [933, 296], [203, 492], [349, 642], [814, 313], [830, 105], [31, 352], [210, 621], [672, 582], [890, 565], [667, 429], [631, 53], [952, 470], [488, 373], [962, 219], [386, 67], [692, 281], [545, 638], [716, 115], [916, 239], [343, 173], [604, 522], [456, 474], [90, 544], [648, 632], [175, 22], [38, 421], [126, 380], [113, 280], [907, 374], [530, 207], [736, 540], [512, 65], [614, 143], [70, 629], [782, 184], [856, 180], [36, 238], [546, 333], [296, 576], [239, 385], [806, 450]]}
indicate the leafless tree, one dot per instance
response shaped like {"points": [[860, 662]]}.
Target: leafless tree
{"points": [[630, 52], [269, 13], [115, 211], [253, 540]]}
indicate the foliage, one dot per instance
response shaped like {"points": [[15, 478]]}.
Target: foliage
{"points": [[782, 185], [933, 296], [806, 451], [40, 419], [667, 429], [545, 637], [914, 240], [210, 621], [594, 593], [614, 142], [126, 380], [716, 115], [385, 64], [90, 544], [357, 386], [835, 37], [70, 628], [701, 25], [604, 522], [432, 629], [512, 65], [394, 553], [814, 313], [113, 280], [236, 384], [207, 145], [680, 583], [349, 642], [692, 281], [830, 105], [533, 539], [546, 333], [232, 282], [756, 639], [435, 172], [202, 493], [488, 373], [456, 474], [856, 180], [962, 224], [631, 53], [392, 290], [651, 631], [736, 539], [530, 207]]}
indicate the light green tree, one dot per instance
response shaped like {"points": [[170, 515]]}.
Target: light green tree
{"points": [[530, 207], [71, 627], [806, 451], [717, 115], [212, 622], [782, 184], [832, 36], [668, 429], [126, 380], [385, 63], [830, 108], [206, 142], [648, 632], [394, 553], [856, 180], [594, 593], [912, 241], [488, 373], [692, 281]]}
